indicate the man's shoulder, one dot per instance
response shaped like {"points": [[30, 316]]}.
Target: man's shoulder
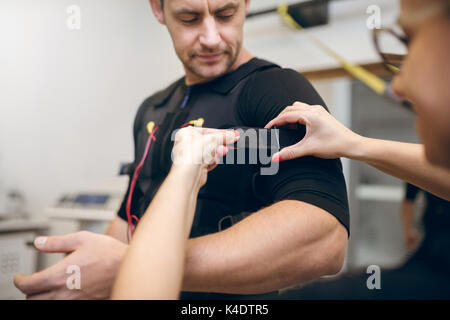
{"points": [[155, 100], [280, 83], [161, 96], [270, 75], [268, 92]]}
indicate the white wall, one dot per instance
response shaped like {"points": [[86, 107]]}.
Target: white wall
{"points": [[68, 98]]}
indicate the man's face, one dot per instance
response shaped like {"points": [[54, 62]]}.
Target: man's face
{"points": [[207, 34], [425, 74]]}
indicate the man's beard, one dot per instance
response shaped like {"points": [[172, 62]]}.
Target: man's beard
{"points": [[204, 71]]}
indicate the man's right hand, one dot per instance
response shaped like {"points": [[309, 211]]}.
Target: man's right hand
{"points": [[96, 256]]}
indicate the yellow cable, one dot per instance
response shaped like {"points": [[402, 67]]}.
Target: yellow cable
{"points": [[371, 80]]}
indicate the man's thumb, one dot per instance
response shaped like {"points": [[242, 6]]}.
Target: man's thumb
{"points": [[53, 244]]}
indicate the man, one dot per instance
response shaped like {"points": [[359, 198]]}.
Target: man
{"points": [[296, 222]]}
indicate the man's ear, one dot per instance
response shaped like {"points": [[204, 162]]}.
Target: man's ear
{"points": [[158, 10], [247, 6]]}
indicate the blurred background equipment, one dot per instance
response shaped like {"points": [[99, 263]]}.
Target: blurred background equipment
{"points": [[90, 208], [307, 13], [15, 206], [17, 253]]}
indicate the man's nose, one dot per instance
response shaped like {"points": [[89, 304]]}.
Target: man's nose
{"points": [[210, 36]]}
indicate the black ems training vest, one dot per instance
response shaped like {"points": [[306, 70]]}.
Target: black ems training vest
{"points": [[230, 193]]}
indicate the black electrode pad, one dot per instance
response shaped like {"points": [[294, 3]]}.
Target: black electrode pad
{"points": [[258, 145], [268, 139]]}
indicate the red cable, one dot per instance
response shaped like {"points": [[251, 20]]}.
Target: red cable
{"points": [[130, 217], [134, 180]]}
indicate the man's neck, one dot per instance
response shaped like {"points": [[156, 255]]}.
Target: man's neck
{"points": [[244, 57]]}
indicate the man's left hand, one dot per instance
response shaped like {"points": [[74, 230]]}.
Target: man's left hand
{"points": [[95, 257]]}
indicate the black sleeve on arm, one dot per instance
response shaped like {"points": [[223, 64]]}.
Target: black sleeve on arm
{"points": [[267, 93], [309, 179]]}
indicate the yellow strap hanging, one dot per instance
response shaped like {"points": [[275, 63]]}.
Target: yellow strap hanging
{"points": [[371, 80]]}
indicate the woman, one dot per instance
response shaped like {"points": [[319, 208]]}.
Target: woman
{"points": [[153, 265], [423, 81]]}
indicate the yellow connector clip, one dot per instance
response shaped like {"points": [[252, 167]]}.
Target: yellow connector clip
{"points": [[197, 123], [150, 127]]}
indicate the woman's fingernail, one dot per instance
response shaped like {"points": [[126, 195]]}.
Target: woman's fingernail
{"points": [[277, 158], [40, 241]]}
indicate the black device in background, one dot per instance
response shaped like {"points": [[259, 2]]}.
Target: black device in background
{"points": [[307, 13]]}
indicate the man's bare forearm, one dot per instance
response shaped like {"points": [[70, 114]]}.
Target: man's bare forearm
{"points": [[405, 161], [287, 243]]}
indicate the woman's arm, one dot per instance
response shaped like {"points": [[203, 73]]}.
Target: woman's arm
{"points": [[327, 138], [405, 161], [153, 265]]}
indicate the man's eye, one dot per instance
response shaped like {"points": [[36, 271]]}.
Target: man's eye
{"points": [[225, 17], [188, 18], [227, 14], [189, 21]]}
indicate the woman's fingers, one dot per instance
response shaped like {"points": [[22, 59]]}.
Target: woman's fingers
{"points": [[215, 144], [221, 151], [292, 152], [296, 113], [291, 114], [221, 136], [288, 117]]}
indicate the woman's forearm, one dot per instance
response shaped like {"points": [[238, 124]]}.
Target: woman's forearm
{"points": [[328, 138], [405, 161], [153, 266], [154, 262]]}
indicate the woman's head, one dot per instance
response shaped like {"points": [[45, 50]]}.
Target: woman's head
{"points": [[425, 75]]}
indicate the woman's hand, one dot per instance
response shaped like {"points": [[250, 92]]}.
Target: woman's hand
{"points": [[198, 150], [325, 136]]}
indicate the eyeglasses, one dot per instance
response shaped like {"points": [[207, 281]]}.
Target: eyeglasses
{"points": [[392, 47]]}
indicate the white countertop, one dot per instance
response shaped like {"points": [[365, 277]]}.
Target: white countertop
{"points": [[80, 214], [11, 225]]}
